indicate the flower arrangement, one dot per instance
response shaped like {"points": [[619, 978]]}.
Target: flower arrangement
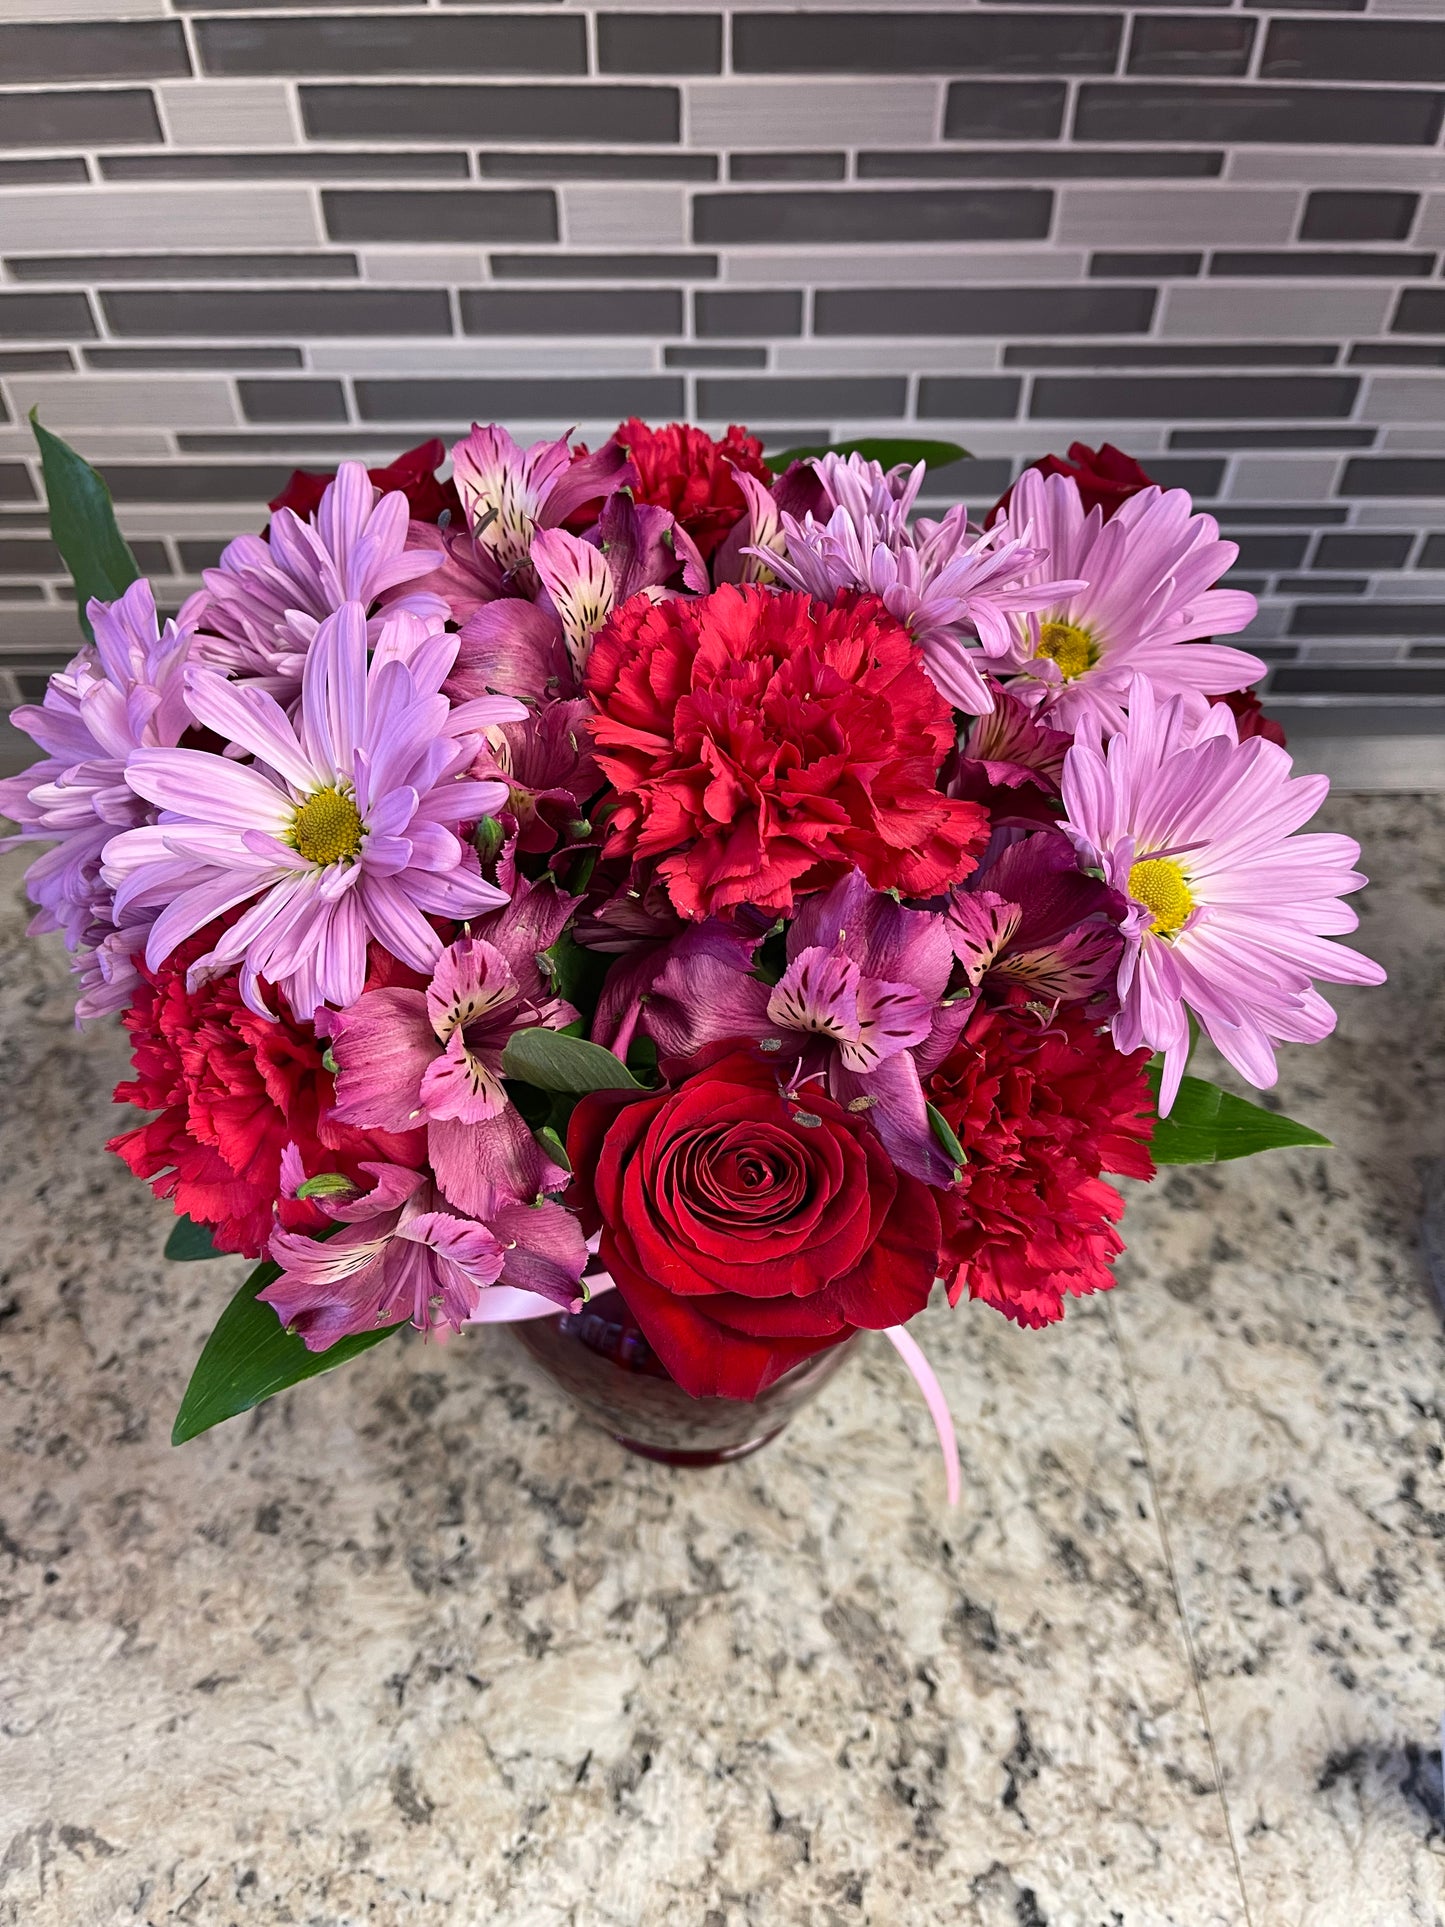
{"points": [[659, 870]]}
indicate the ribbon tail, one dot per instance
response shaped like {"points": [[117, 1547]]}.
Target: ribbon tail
{"points": [[925, 1379]]}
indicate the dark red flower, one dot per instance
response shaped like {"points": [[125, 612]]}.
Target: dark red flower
{"points": [[1249, 717], [763, 743], [414, 473], [1106, 477], [231, 1090], [747, 1228], [1040, 1110], [685, 470]]}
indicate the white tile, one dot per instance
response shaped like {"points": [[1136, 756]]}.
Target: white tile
{"points": [[149, 401], [1419, 585], [228, 113], [484, 355], [1422, 513], [1363, 651], [1284, 478], [116, 219], [902, 267], [959, 357], [98, 445], [1300, 311], [756, 112], [619, 214], [1430, 228], [1338, 166], [423, 267], [1358, 759], [32, 11], [1417, 441], [1133, 216], [1406, 398]]}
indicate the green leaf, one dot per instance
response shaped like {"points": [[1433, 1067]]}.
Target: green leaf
{"points": [[82, 521], [944, 1132], [552, 1144], [189, 1242], [888, 451], [1208, 1126], [250, 1356], [554, 1062]]}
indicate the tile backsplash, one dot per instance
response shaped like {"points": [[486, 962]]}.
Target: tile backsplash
{"points": [[241, 235]]}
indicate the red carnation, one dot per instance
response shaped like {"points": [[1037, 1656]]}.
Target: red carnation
{"points": [[748, 1228], [231, 1090], [685, 470], [1249, 717], [1041, 1108], [763, 743], [414, 473], [1106, 476]]}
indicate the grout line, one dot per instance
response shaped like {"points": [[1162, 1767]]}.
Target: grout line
{"points": [[1179, 1605]]}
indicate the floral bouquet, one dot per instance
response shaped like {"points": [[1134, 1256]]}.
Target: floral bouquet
{"points": [[651, 871]]}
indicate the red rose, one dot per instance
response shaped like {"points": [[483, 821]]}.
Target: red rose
{"points": [[414, 473], [231, 1090], [1106, 477], [1041, 1108], [685, 470], [763, 743], [1249, 718], [748, 1229]]}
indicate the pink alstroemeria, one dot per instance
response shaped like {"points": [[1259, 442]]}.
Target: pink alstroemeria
{"points": [[952, 587], [344, 828], [1144, 589], [1011, 762], [1228, 910], [403, 1254], [435, 1056], [124, 692], [861, 1004], [1030, 916], [547, 764], [259, 609]]}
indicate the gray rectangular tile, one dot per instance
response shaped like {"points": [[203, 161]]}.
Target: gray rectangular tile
{"points": [[650, 312], [893, 41], [302, 312], [774, 398], [1208, 44], [1227, 313], [1409, 51], [40, 317], [308, 400], [1361, 551], [252, 483], [272, 6], [787, 167], [1344, 214], [1005, 110], [758, 313], [38, 555], [659, 43], [1312, 585], [452, 110], [968, 397], [753, 111], [1394, 475], [167, 268], [35, 361], [982, 311], [378, 44], [604, 267], [1318, 264], [201, 114], [1295, 438], [233, 357], [1379, 679], [1392, 354], [1154, 110], [81, 118], [656, 164], [1169, 355], [462, 398], [41, 172], [165, 217], [1169, 217], [84, 404], [440, 214], [1432, 553], [1270, 552], [1190, 397], [690, 357], [16, 484], [293, 166], [1127, 266], [1421, 312], [37, 52], [1286, 515], [1038, 164], [818, 217]]}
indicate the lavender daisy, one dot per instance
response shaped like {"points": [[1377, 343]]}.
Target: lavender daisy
{"points": [[344, 828]]}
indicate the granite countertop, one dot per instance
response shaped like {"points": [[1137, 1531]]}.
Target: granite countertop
{"points": [[409, 1645]]}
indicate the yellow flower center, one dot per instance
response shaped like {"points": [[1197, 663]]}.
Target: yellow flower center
{"points": [[1074, 650], [1158, 883], [327, 827]]}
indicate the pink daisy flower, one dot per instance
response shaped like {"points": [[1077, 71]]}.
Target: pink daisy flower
{"points": [[124, 692], [260, 608], [344, 828], [1228, 910], [1144, 588]]}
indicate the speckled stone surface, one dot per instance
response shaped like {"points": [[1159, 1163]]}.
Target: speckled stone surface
{"points": [[409, 1645]]}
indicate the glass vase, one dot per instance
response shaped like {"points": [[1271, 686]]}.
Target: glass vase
{"points": [[601, 1360]]}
